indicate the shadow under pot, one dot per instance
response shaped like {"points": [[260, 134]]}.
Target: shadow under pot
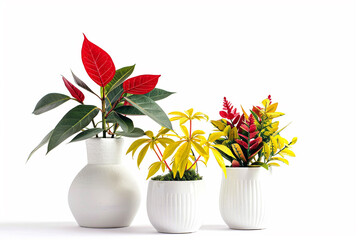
{"points": [[175, 206], [244, 196], [104, 194]]}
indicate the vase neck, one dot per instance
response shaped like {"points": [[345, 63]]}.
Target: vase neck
{"points": [[104, 150]]}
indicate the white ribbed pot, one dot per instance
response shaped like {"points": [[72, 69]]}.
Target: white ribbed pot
{"points": [[243, 197], [104, 194], [175, 206]]}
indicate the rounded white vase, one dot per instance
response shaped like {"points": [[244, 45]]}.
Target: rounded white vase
{"points": [[175, 206], [244, 196], [104, 194]]}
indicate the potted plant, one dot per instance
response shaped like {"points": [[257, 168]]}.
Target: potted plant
{"points": [[104, 194], [174, 200], [255, 141]]}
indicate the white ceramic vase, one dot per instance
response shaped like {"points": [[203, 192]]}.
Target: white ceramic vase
{"points": [[104, 194], [175, 206], [243, 197]]}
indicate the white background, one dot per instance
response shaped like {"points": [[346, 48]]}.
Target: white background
{"points": [[300, 52]]}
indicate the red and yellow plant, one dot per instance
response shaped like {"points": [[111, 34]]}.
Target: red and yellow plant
{"points": [[185, 152], [254, 139], [119, 97]]}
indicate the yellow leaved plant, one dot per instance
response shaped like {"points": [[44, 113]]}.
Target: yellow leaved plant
{"points": [[186, 151]]}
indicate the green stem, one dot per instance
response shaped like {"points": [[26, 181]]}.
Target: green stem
{"points": [[103, 114]]}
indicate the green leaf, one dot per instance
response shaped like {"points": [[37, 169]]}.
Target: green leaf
{"points": [[113, 96], [158, 94], [86, 134], [125, 123], [136, 132], [255, 116], [42, 143], [128, 110], [50, 101], [147, 106], [120, 76], [80, 83], [73, 121]]}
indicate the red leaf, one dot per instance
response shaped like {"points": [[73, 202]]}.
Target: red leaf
{"points": [[242, 143], [237, 118], [253, 134], [235, 163], [74, 91], [126, 103], [252, 128], [245, 128], [140, 84], [98, 64], [223, 114], [243, 136]]}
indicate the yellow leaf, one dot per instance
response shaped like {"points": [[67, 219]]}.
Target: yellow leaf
{"points": [[165, 141], [215, 136], [150, 134], [245, 114], [178, 113], [174, 169], [206, 148], [182, 156], [185, 130], [199, 149], [274, 164], [200, 114], [238, 152], [196, 132], [227, 130], [220, 160], [265, 102], [288, 152], [136, 144], [280, 141], [225, 149], [153, 169], [189, 163], [266, 150], [189, 112], [183, 120], [233, 134], [273, 145], [175, 118], [163, 166], [272, 108], [280, 159], [219, 125], [142, 154], [293, 141], [170, 149], [282, 128], [162, 131], [274, 115]]}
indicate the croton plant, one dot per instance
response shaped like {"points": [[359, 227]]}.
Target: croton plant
{"points": [[254, 139], [177, 153], [119, 97]]}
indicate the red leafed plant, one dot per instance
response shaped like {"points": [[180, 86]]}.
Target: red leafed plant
{"points": [[249, 143], [254, 139], [120, 97]]}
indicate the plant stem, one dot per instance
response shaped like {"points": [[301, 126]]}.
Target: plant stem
{"points": [[115, 104], [194, 162], [161, 158], [190, 127], [158, 148], [103, 114]]}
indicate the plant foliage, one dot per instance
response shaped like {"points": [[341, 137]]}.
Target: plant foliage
{"points": [[179, 153], [119, 96], [254, 139]]}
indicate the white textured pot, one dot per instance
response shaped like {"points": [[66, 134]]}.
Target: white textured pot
{"points": [[104, 194], [175, 206], [243, 197]]}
